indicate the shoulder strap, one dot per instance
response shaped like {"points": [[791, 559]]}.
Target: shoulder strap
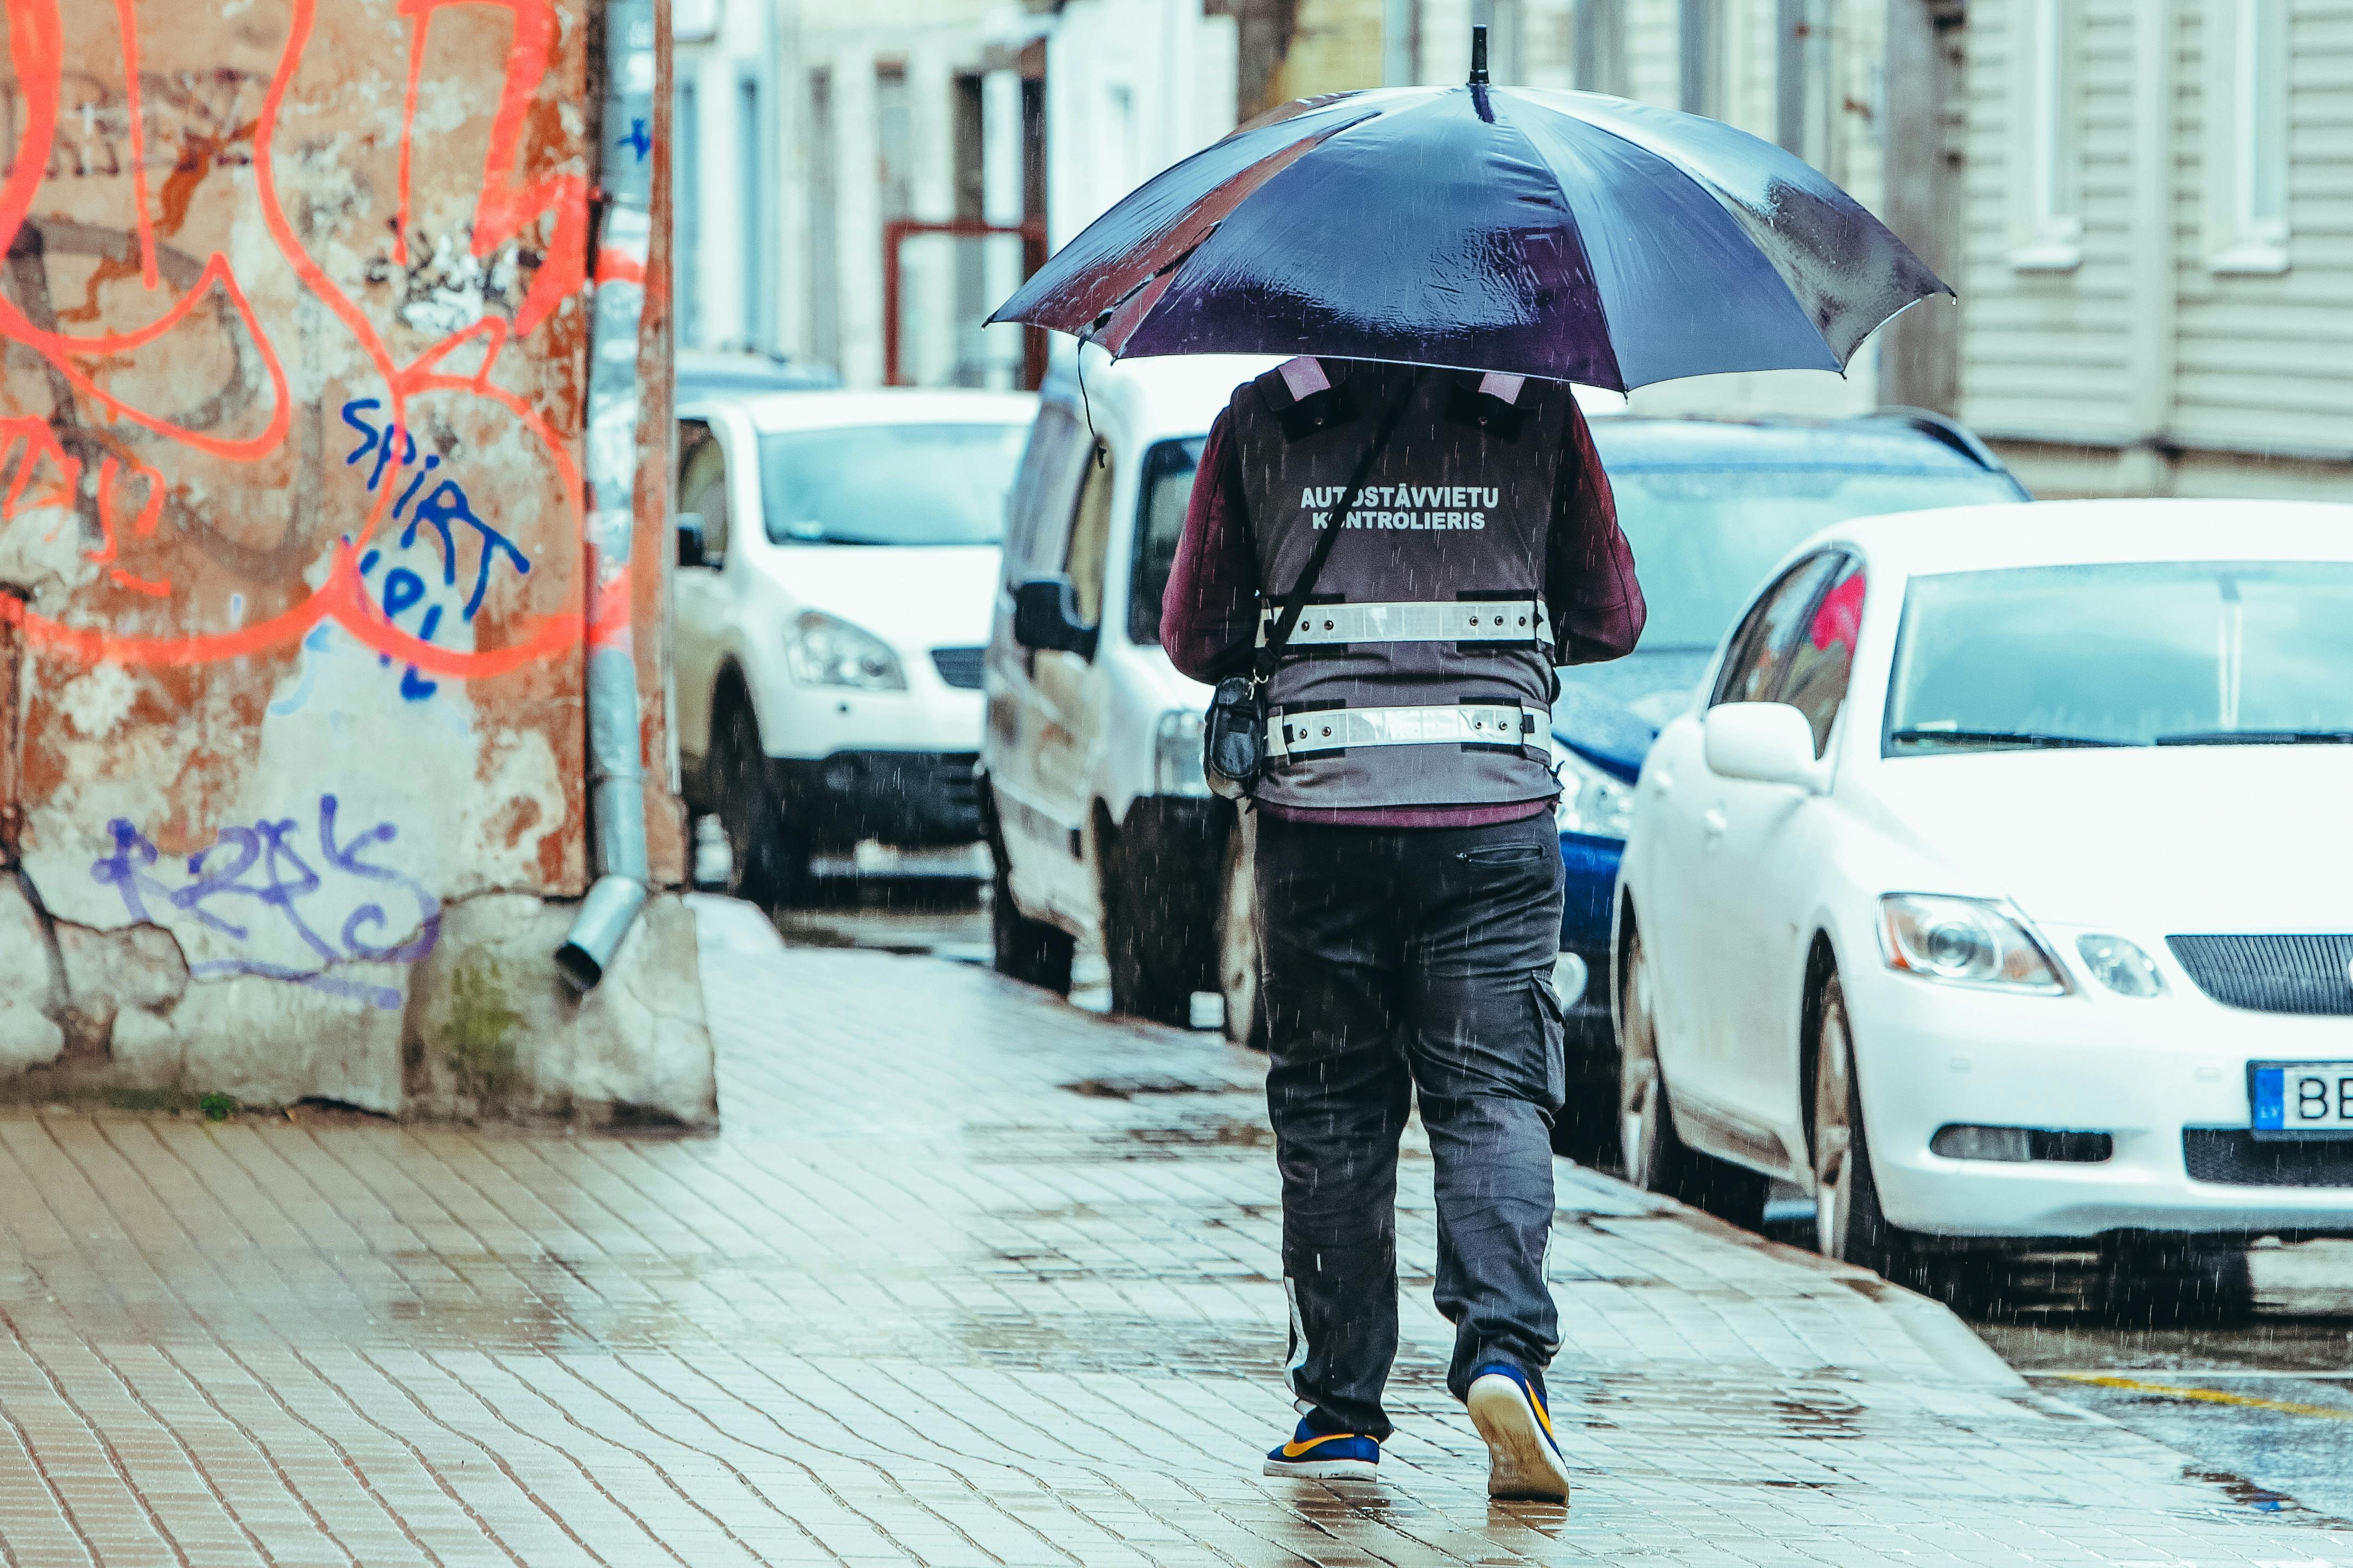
{"points": [[1301, 591]]}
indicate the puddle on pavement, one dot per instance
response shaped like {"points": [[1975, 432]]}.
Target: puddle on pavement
{"points": [[1134, 1088]]}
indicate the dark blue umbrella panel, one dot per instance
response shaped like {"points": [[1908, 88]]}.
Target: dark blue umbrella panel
{"points": [[1564, 234]]}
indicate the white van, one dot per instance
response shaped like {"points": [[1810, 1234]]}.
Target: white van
{"points": [[1092, 796]]}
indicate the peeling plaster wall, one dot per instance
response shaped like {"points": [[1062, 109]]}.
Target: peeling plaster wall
{"points": [[294, 314]]}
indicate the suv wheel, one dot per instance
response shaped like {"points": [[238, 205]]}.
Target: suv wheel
{"points": [[1238, 968], [1656, 1157], [771, 861], [1028, 951], [1142, 942]]}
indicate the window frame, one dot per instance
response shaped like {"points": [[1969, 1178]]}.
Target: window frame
{"points": [[1099, 469], [1155, 456], [1850, 565], [715, 553], [1752, 618], [2247, 43], [2047, 217]]}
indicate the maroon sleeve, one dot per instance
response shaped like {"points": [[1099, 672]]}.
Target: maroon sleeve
{"points": [[1209, 615], [1596, 604]]}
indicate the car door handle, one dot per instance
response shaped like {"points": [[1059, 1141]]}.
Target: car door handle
{"points": [[1715, 822], [1662, 782]]}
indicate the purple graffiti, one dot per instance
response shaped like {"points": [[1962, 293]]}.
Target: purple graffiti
{"points": [[261, 873]]}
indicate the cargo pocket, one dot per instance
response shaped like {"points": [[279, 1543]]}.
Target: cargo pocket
{"points": [[1552, 1038]]}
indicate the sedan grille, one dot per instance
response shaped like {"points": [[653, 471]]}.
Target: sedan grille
{"points": [[959, 665], [2307, 975], [2232, 1157]]}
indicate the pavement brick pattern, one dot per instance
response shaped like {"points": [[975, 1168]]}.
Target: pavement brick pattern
{"points": [[971, 1278]]}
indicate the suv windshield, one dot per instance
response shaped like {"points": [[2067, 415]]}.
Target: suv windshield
{"points": [[1166, 491], [2173, 653], [1704, 538], [889, 484]]}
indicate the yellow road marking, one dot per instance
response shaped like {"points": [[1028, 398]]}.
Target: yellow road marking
{"points": [[2211, 1396]]}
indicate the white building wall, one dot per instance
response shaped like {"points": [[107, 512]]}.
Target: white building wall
{"points": [[1132, 86]]}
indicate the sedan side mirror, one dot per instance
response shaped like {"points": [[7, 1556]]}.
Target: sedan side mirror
{"points": [[1765, 743], [1046, 616], [689, 541]]}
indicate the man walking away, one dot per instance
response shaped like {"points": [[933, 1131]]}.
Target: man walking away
{"points": [[1409, 872]]}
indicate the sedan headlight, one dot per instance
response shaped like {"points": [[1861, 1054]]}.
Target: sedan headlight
{"points": [[2120, 965], [1176, 753], [826, 650], [1591, 802], [1967, 941]]}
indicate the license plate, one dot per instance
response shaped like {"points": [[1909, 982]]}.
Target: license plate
{"points": [[2301, 1099]]}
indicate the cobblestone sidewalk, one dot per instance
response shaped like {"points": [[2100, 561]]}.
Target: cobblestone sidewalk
{"points": [[971, 1278]]}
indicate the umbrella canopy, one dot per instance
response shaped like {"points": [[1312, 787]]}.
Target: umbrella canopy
{"points": [[1565, 235]]}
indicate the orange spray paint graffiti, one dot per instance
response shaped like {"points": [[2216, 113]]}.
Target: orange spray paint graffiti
{"points": [[550, 209]]}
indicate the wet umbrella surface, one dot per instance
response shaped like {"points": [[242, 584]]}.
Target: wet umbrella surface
{"points": [[1565, 235]]}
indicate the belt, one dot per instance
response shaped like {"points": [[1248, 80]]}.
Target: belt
{"points": [[1449, 620], [1470, 723]]}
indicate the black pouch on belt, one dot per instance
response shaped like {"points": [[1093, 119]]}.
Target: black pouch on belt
{"points": [[1233, 732]]}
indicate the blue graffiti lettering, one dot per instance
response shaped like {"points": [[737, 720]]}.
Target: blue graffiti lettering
{"points": [[264, 866], [445, 503]]}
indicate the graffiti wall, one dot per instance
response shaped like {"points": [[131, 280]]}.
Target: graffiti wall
{"points": [[294, 308]]}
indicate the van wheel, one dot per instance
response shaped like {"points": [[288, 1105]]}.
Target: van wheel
{"points": [[1237, 970], [1849, 1224], [1656, 1157], [771, 863], [1028, 951], [1141, 945]]}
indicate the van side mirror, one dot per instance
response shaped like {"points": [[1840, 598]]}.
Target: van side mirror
{"points": [[689, 541], [1046, 616], [1763, 743]]}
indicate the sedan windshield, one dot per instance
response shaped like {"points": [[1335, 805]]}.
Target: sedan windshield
{"points": [[2166, 654], [889, 484], [1704, 538]]}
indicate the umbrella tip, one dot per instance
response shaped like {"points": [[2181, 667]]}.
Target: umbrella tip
{"points": [[1478, 54]]}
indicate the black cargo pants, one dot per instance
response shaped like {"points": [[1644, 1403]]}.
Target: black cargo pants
{"points": [[1397, 961]]}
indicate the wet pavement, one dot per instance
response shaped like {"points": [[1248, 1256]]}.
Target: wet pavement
{"points": [[971, 1276], [2265, 1393]]}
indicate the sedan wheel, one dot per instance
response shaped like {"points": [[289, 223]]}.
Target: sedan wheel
{"points": [[1849, 1224], [1834, 1164], [1656, 1157], [1238, 943], [1640, 1097]]}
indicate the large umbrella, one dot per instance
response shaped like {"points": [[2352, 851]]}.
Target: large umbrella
{"points": [[1565, 235]]}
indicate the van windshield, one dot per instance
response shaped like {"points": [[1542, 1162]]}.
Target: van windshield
{"points": [[1166, 491], [889, 484]]}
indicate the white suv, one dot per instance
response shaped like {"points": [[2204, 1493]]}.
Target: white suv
{"points": [[1098, 819], [836, 552]]}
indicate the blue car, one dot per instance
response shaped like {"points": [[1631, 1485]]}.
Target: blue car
{"points": [[1709, 505]]}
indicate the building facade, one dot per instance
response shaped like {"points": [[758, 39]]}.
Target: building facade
{"points": [[2159, 229]]}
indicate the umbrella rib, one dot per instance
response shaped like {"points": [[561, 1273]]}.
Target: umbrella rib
{"points": [[1730, 210], [1576, 232]]}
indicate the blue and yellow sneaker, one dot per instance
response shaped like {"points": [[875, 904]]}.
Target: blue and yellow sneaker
{"points": [[1523, 1460], [1325, 1456]]}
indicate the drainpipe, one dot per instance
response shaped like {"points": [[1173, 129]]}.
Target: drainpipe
{"points": [[617, 785]]}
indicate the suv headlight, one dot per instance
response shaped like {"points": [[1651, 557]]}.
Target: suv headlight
{"points": [[1591, 802], [1965, 941], [1176, 755], [826, 650]]}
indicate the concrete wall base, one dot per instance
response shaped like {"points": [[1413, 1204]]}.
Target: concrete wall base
{"points": [[486, 1030]]}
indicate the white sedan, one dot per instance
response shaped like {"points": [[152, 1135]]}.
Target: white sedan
{"points": [[2000, 884]]}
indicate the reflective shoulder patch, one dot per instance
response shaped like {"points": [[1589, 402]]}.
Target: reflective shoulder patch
{"points": [[1496, 385], [1304, 377]]}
